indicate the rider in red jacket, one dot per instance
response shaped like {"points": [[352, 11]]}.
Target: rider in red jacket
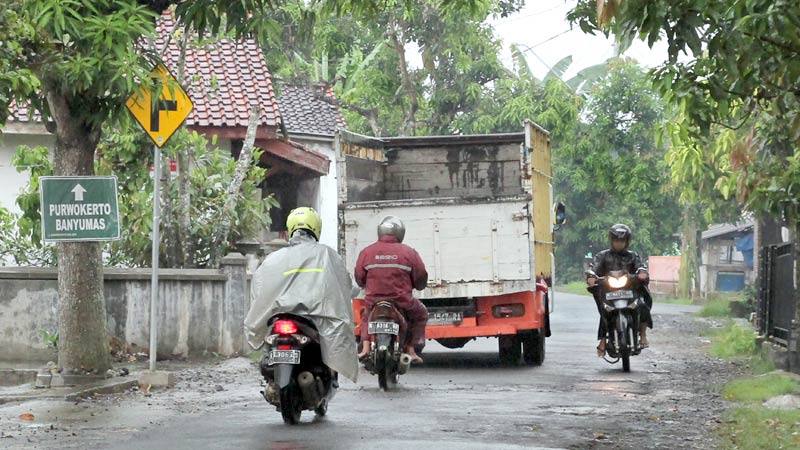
{"points": [[389, 270]]}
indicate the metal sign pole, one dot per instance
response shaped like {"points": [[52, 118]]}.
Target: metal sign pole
{"points": [[154, 280]]}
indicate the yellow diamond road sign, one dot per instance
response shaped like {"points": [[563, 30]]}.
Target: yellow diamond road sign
{"points": [[160, 118]]}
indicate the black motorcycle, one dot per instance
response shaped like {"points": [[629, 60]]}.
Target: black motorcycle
{"points": [[292, 367], [387, 330], [621, 301]]}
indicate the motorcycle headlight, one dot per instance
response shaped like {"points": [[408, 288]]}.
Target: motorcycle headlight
{"points": [[619, 282]]}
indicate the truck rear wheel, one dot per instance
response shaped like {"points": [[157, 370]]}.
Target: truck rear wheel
{"points": [[510, 349], [533, 343]]}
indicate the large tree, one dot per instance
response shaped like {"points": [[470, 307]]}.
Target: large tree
{"points": [[76, 61], [742, 73], [612, 170]]}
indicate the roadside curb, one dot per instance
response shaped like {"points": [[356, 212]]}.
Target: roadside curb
{"points": [[111, 386], [74, 393]]}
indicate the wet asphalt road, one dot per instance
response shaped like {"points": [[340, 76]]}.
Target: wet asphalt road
{"points": [[459, 399]]}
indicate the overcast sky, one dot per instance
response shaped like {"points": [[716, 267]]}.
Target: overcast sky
{"points": [[542, 26]]}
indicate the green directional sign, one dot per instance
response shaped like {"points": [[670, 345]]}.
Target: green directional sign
{"points": [[79, 209]]}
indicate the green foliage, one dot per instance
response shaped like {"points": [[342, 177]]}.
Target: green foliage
{"points": [[363, 55], [733, 341], [21, 235], [128, 155], [18, 249], [760, 389], [575, 287], [718, 306], [612, 170], [742, 75], [50, 339], [758, 428]]}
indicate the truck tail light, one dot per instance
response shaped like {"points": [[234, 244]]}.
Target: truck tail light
{"points": [[506, 311]]}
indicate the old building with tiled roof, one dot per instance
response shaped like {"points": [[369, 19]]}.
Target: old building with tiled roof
{"points": [[225, 79], [309, 109]]}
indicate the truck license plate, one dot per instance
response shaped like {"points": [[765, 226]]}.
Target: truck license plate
{"points": [[618, 295], [445, 318], [284, 357], [383, 328]]}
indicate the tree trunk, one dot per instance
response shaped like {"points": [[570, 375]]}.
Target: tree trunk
{"points": [[82, 335], [245, 157], [184, 233], [688, 269], [410, 121]]}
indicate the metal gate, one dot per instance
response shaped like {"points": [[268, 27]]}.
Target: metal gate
{"points": [[776, 305]]}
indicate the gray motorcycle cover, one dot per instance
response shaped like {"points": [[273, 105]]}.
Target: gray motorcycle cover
{"points": [[308, 279]]}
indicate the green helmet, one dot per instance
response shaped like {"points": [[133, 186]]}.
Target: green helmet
{"points": [[304, 218]]}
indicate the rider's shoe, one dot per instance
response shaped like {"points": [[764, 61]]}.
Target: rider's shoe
{"points": [[601, 349]]}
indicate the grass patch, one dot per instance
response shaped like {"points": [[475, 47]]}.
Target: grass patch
{"points": [[676, 301], [760, 389], [575, 287], [757, 428], [733, 341], [716, 308]]}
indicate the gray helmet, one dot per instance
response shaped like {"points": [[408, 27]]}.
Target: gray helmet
{"points": [[620, 231], [392, 226]]}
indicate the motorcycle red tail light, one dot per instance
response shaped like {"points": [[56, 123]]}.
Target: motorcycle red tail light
{"points": [[285, 327]]}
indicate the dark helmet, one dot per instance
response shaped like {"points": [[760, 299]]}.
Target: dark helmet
{"points": [[620, 231], [392, 226]]}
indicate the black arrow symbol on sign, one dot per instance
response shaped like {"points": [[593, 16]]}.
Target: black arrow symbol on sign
{"points": [[158, 106]]}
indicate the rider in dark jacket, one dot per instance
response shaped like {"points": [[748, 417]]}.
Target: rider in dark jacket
{"points": [[618, 257]]}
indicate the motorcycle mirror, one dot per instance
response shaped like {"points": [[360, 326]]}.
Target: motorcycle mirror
{"points": [[560, 213]]}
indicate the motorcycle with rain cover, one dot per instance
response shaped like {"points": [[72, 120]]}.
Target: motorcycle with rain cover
{"points": [[387, 329], [621, 301], [296, 378]]}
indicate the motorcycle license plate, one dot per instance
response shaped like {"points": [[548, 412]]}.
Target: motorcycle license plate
{"points": [[619, 295], [284, 357], [383, 328], [445, 318]]}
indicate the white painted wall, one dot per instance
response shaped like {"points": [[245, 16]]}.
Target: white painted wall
{"points": [[326, 195], [11, 181]]}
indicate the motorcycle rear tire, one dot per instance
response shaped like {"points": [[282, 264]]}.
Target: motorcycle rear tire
{"points": [[387, 372], [291, 404]]}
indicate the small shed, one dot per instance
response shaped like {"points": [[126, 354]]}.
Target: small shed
{"points": [[727, 257]]}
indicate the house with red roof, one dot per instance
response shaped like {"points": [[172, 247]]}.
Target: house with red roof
{"points": [[225, 79]]}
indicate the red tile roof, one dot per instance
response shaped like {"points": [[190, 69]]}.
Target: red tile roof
{"points": [[224, 79], [22, 113]]}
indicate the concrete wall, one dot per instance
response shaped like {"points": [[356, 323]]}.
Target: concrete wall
{"points": [[199, 310]]}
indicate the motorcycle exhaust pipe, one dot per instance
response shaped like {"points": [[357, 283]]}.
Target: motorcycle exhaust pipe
{"points": [[308, 387], [404, 364]]}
